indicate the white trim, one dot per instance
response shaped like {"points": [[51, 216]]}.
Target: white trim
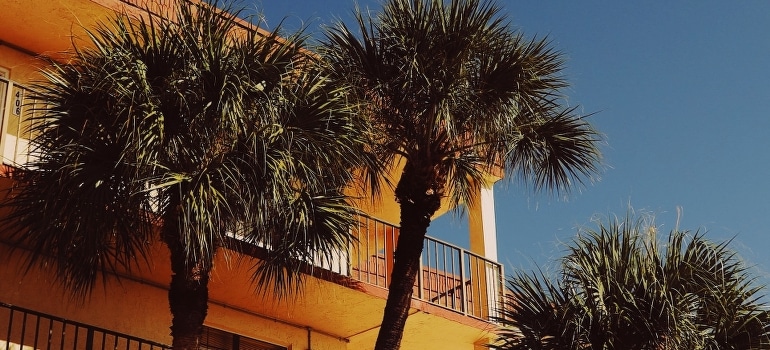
{"points": [[489, 228], [6, 87]]}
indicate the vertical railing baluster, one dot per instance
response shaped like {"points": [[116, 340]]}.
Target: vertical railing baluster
{"points": [[37, 331], [421, 278], [464, 295], [368, 267], [500, 290], [443, 287], [63, 334], [8, 335], [376, 242], [428, 279], [395, 232], [451, 274], [436, 271], [355, 249], [362, 239], [378, 270], [22, 342], [479, 305], [50, 334], [77, 330], [369, 243], [453, 277], [425, 269], [387, 265], [431, 270]]}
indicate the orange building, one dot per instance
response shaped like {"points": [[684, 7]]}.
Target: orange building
{"points": [[340, 306]]}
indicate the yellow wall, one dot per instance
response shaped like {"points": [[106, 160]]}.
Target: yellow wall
{"points": [[140, 307], [23, 68]]}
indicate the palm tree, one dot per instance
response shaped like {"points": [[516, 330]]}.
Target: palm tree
{"points": [[184, 127], [536, 315], [622, 302], [456, 94], [619, 289]]}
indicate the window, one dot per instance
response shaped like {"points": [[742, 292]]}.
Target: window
{"points": [[215, 339]]}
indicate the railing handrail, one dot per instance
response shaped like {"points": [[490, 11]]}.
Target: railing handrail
{"points": [[437, 240]]}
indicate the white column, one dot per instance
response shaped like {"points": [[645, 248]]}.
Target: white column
{"points": [[481, 222]]}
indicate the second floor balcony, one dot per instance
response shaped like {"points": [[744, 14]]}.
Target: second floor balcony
{"points": [[450, 277]]}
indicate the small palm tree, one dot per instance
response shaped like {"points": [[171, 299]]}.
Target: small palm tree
{"points": [[457, 95], [536, 315], [185, 128], [619, 289]]}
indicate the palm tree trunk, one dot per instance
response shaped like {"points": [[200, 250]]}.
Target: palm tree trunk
{"points": [[188, 299], [188, 292], [405, 269], [418, 204]]}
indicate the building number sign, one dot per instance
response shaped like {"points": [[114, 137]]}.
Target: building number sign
{"points": [[18, 97]]}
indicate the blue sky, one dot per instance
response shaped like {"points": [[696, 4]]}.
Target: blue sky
{"points": [[680, 89]]}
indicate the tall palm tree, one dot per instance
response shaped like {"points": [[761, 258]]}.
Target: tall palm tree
{"points": [[184, 127], [618, 288], [457, 94]]}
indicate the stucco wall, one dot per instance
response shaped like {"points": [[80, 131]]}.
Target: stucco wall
{"points": [[138, 308]]}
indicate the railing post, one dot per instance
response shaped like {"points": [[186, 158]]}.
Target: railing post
{"points": [[22, 339], [463, 292], [501, 291], [390, 254], [10, 327], [90, 339], [420, 275]]}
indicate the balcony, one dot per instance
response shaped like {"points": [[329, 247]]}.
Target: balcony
{"points": [[451, 277]]}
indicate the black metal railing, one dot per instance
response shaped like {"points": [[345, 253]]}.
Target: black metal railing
{"points": [[24, 329], [450, 276]]}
